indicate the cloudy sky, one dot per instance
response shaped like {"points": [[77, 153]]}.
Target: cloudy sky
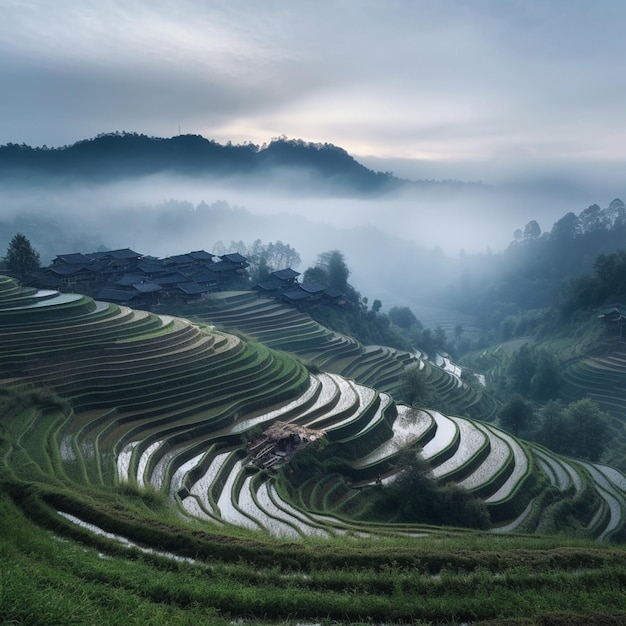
{"points": [[470, 89]]}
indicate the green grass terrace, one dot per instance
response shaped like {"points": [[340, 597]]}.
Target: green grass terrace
{"points": [[129, 495]]}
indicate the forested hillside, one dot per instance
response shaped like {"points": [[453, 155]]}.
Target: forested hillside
{"points": [[534, 271], [128, 155]]}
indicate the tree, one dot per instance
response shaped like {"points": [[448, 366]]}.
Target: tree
{"points": [[402, 316], [587, 429], [419, 498], [263, 258], [414, 492], [282, 255], [316, 274], [331, 270], [521, 370], [592, 219], [532, 230], [547, 379], [552, 428], [516, 416], [566, 229], [415, 387], [579, 430], [616, 213], [21, 258], [335, 265], [261, 271], [440, 338]]}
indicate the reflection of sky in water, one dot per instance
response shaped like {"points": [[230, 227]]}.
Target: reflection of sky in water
{"points": [[61, 298]]}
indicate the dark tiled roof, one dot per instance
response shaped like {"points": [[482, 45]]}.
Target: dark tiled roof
{"points": [[115, 295], [268, 285], [220, 266], [312, 287], [97, 256], [333, 292], [61, 269], [234, 257], [201, 255], [128, 280], [286, 274], [75, 258], [149, 267], [204, 276], [612, 312], [171, 279], [147, 287], [122, 254], [294, 295], [98, 266], [179, 259], [192, 289]]}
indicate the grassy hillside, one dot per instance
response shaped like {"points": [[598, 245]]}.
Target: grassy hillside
{"points": [[128, 493]]}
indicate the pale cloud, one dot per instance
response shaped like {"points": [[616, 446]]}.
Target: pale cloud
{"points": [[484, 82]]}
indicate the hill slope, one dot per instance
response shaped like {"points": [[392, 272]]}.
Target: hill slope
{"points": [[164, 421], [125, 155]]}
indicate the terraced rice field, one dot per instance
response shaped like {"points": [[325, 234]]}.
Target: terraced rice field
{"points": [[161, 403], [284, 328], [603, 379]]}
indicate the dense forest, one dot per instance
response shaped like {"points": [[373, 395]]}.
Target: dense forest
{"points": [[535, 271]]}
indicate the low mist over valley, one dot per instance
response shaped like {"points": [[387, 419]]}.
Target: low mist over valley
{"points": [[406, 241]]}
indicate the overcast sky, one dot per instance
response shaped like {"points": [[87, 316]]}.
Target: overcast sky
{"points": [[466, 89]]}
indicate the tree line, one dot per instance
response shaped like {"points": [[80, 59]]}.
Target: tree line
{"points": [[122, 154], [505, 290]]}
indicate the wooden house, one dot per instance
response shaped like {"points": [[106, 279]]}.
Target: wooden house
{"points": [[279, 443]]}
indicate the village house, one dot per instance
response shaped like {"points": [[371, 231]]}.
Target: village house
{"points": [[127, 277], [614, 315], [277, 282]]}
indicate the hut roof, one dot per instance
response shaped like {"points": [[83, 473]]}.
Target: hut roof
{"points": [[280, 430]]}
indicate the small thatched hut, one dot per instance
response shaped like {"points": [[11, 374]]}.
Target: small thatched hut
{"points": [[279, 443]]}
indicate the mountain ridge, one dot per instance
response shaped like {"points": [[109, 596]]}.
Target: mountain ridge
{"points": [[111, 156]]}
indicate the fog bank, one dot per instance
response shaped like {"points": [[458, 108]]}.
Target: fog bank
{"points": [[399, 247]]}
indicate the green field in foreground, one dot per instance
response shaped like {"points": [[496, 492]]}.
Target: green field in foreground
{"points": [[47, 578], [153, 567]]}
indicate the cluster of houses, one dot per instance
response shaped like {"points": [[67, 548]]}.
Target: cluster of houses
{"points": [[284, 285], [128, 277]]}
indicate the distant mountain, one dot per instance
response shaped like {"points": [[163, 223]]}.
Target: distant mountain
{"points": [[127, 155]]}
